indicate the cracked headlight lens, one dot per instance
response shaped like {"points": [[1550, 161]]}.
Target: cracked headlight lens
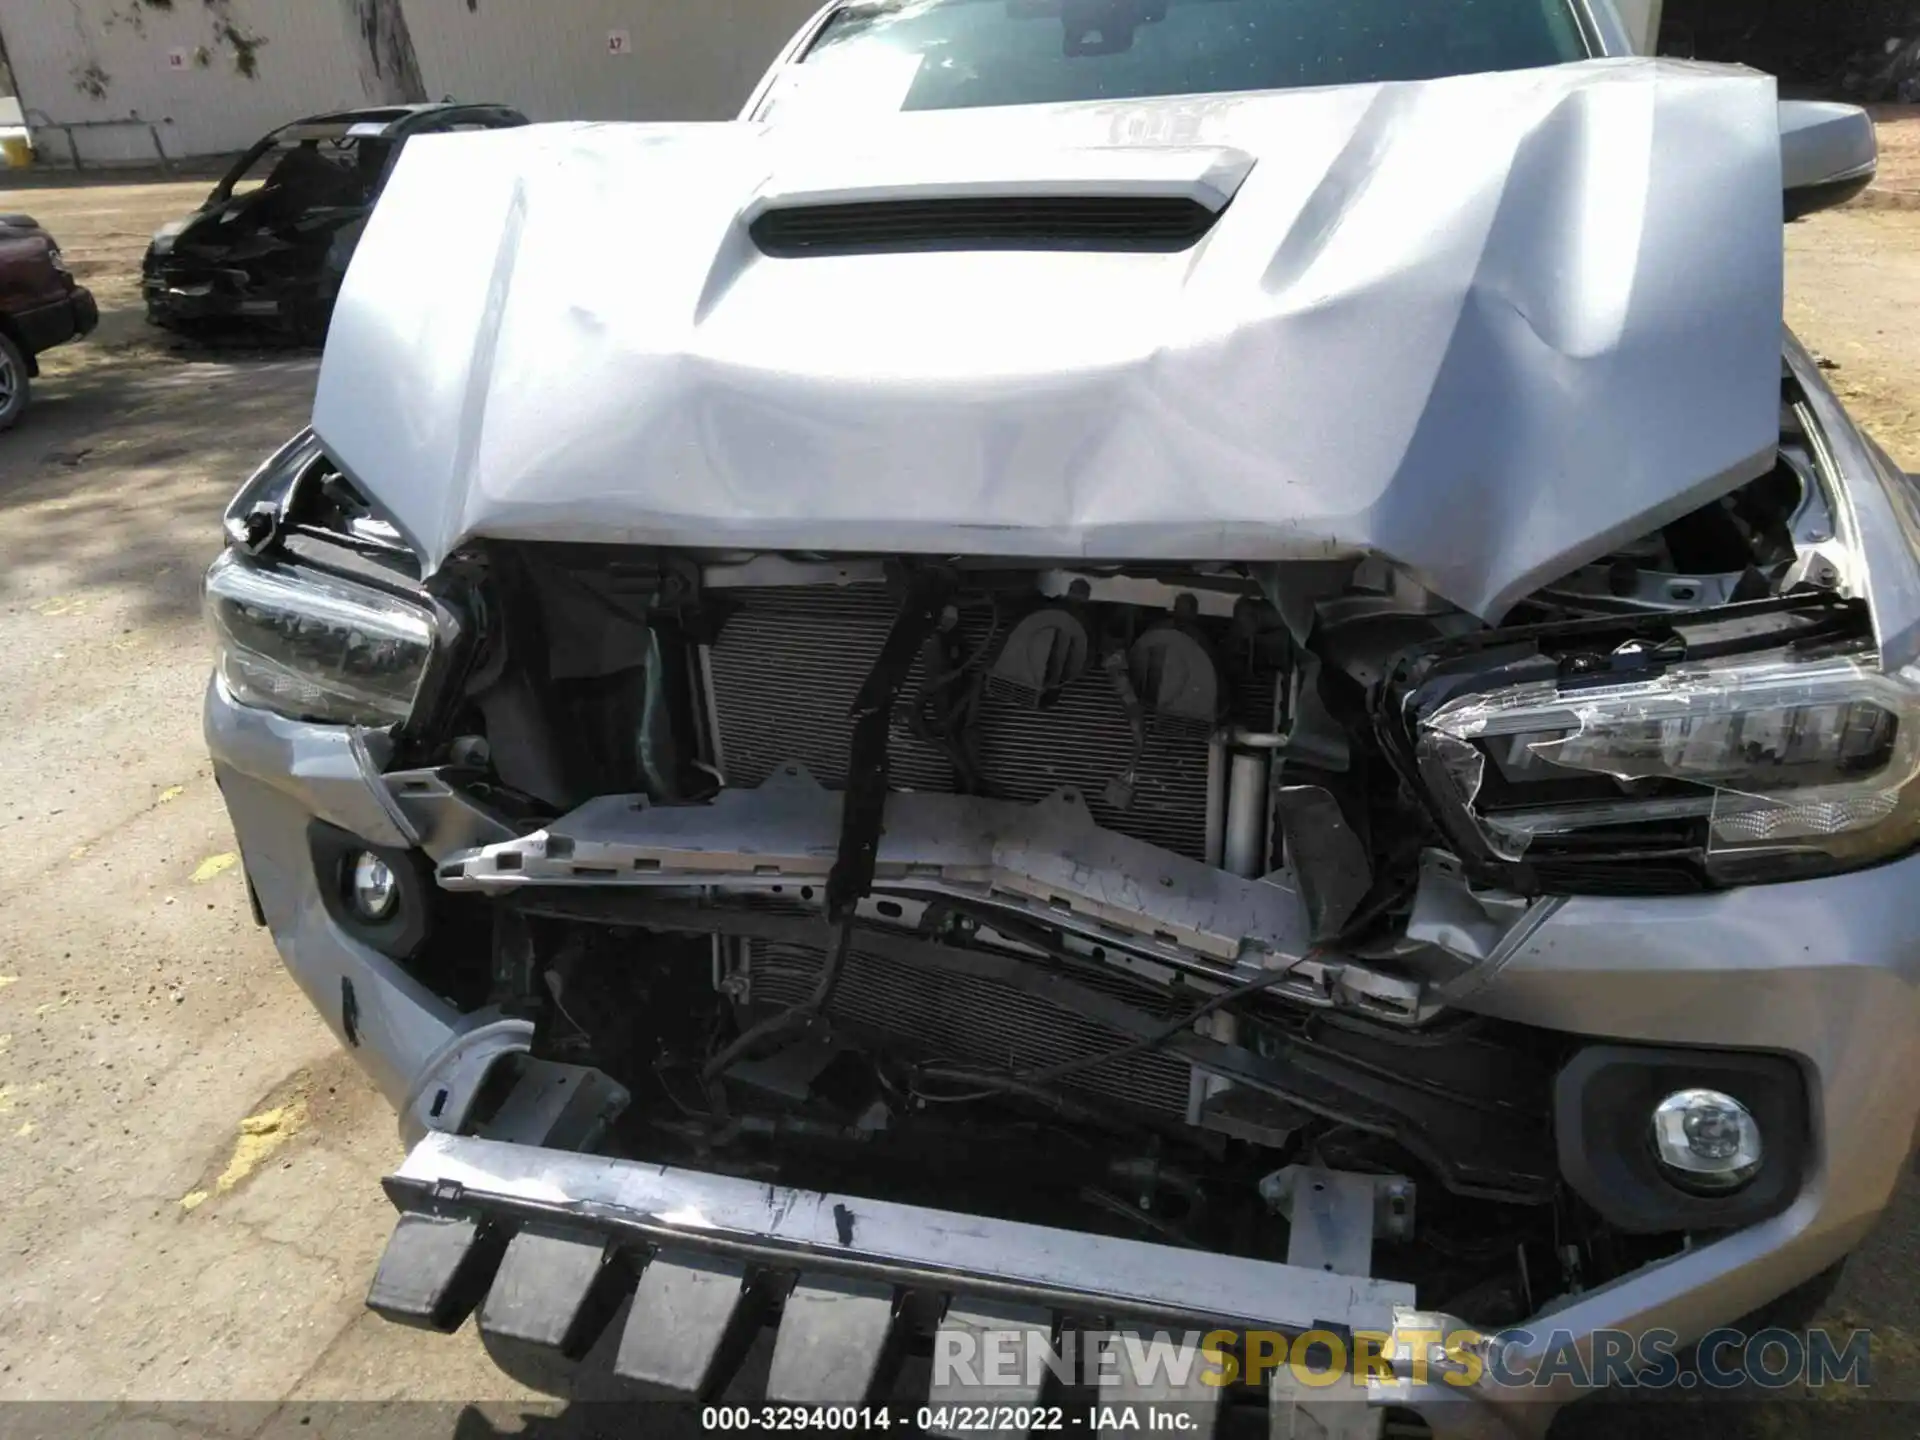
{"points": [[314, 646], [1816, 757]]}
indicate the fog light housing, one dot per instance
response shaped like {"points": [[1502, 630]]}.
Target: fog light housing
{"points": [[380, 896], [372, 888], [1706, 1141]]}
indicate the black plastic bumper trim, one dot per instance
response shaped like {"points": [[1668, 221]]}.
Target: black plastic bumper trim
{"points": [[1603, 1104]]}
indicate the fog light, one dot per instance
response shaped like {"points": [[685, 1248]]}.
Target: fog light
{"points": [[373, 890], [1706, 1140]]}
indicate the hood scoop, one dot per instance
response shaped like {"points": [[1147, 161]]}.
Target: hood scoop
{"points": [[1039, 222], [986, 197]]}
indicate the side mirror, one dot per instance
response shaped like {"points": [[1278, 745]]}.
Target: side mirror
{"points": [[1828, 154]]}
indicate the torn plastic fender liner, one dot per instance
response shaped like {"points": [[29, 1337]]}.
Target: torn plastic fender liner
{"points": [[1467, 324]]}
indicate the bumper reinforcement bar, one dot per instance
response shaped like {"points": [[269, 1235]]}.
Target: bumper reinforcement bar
{"points": [[551, 1245]]}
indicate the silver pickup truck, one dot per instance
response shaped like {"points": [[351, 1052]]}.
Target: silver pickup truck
{"points": [[1119, 666]]}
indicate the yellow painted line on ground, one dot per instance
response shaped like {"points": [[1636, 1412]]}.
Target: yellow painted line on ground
{"points": [[214, 866], [260, 1136]]}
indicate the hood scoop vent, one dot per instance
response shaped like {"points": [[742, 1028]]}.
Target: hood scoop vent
{"points": [[993, 195], [1154, 223]]}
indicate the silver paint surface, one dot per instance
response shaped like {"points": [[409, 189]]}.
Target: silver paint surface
{"points": [[1486, 326]]}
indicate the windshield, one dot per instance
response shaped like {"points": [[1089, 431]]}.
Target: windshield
{"points": [[881, 55], [333, 166]]}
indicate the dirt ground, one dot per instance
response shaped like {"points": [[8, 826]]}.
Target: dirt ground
{"points": [[189, 1206], [152, 1051]]}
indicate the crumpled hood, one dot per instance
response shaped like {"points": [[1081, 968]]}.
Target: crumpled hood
{"points": [[1487, 327]]}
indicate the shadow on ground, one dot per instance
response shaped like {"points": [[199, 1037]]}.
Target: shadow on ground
{"points": [[119, 472]]}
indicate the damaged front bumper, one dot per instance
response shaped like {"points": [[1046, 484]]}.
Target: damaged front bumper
{"points": [[534, 1238], [1824, 972], [663, 1278], [185, 293]]}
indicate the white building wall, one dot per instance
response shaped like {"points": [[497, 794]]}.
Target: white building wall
{"points": [[167, 67], [682, 60], [556, 59]]}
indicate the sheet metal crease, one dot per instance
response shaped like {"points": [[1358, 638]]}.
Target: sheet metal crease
{"points": [[1486, 327]]}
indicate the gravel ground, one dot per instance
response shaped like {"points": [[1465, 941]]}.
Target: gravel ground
{"points": [[189, 1207]]}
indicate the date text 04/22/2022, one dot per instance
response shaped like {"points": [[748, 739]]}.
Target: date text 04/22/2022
{"points": [[953, 1419]]}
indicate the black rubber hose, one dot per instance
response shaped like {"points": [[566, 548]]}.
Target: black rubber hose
{"points": [[795, 1015]]}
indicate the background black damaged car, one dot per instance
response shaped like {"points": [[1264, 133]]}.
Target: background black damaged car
{"points": [[268, 249]]}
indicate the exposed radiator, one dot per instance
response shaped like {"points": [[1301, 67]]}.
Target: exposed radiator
{"points": [[788, 664], [979, 1023]]}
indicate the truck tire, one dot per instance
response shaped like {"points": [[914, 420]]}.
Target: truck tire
{"points": [[15, 386]]}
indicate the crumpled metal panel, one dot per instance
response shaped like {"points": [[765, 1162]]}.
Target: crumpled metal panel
{"points": [[1051, 857], [1486, 326], [726, 1213]]}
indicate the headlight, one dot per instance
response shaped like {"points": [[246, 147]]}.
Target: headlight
{"points": [[313, 646], [1815, 758], [57, 260]]}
